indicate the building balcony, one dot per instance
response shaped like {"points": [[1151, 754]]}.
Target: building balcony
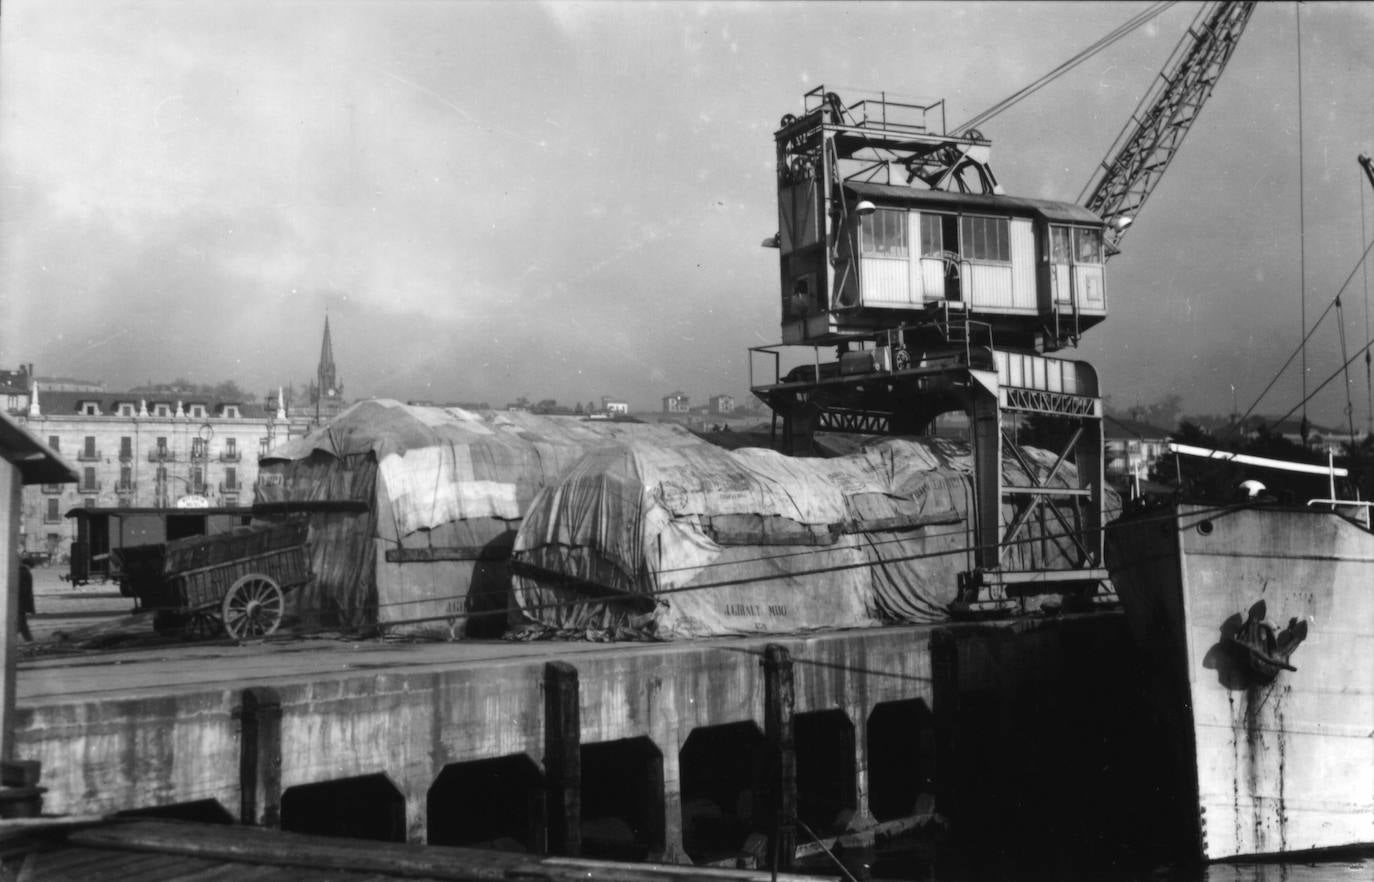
{"points": [[88, 456], [50, 518], [230, 456], [161, 454], [52, 488], [126, 456], [89, 488], [124, 488], [235, 487]]}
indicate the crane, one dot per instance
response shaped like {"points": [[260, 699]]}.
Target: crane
{"points": [[1152, 136]]}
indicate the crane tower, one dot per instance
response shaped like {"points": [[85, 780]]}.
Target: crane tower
{"points": [[936, 291]]}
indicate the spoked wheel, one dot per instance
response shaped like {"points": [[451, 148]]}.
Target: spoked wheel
{"points": [[252, 607], [201, 624]]}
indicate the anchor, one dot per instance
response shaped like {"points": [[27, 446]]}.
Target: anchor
{"points": [[1268, 650]]}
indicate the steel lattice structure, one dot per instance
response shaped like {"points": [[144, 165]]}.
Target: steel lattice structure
{"points": [[1151, 138]]}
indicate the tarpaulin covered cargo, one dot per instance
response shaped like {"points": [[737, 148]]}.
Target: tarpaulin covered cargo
{"points": [[414, 509], [696, 541]]}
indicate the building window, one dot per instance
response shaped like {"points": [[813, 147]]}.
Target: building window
{"points": [[88, 451], [986, 238], [126, 479], [198, 448], [884, 233], [231, 411], [231, 450], [126, 410], [53, 443], [198, 481], [231, 480], [52, 515], [198, 411], [90, 408], [126, 448], [231, 501], [88, 502], [162, 410], [88, 484]]}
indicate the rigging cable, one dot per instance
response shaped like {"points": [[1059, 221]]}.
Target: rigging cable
{"points": [[1302, 227], [1102, 43], [1368, 376]]}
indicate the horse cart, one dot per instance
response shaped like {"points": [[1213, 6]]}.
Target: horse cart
{"points": [[235, 582]]}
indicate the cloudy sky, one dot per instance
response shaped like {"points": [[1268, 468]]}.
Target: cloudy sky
{"points": [[565, 200]]}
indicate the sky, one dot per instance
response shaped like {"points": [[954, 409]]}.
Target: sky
{"points": [[566, 200]]}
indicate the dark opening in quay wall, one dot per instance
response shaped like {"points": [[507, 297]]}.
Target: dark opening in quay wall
{"points": [[366, 807], [494, 803]]}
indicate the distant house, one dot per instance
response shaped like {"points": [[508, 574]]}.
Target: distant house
{"points": [[722, 404], [615, 406], [677, 403], [1130, 446]]}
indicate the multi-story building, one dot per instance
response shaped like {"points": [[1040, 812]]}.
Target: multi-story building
{"points": [[158, 449], [615, 406], [677, 403], [722, 404], [146, 451]]}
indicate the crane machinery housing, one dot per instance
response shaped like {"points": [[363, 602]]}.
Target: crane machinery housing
{"points": [[940, 292]]}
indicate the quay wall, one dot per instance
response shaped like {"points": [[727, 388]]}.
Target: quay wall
{"points": [[997, 696]]}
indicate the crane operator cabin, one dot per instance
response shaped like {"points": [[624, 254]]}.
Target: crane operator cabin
{"points": [[893, 232]]}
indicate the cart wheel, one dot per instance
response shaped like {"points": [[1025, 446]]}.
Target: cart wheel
{"points": [[201, 624], [168, 623], [252, 607]]}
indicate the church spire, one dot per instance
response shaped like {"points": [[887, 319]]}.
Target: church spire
{"points": [[325, 374]]}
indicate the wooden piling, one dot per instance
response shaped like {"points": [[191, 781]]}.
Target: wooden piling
{"points": [[260, 758], [563, 759], [779, 703]]}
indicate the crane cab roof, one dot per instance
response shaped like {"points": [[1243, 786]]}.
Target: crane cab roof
{"points": [[891, 195]]}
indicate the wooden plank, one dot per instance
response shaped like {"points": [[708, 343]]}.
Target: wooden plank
{"points": [[260, 758], [779, 703], [11, 498], [433, 553], [563, 758], [253, 845]]}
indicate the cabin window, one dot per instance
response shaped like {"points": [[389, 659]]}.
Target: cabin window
{"points": [[1060, 245], [932, 240], [884, 233], [986, 238], [1087, 246]]}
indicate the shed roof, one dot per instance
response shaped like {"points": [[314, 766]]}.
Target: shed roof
{"points": [[890, 194], [37, 463]]}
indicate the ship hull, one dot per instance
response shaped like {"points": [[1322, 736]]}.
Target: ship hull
{"points": [[1263, 762]]}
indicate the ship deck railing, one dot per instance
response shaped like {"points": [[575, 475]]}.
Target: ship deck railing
{"points": [[1361, 515]]}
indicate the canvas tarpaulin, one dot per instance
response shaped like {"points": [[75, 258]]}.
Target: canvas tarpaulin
{"points": [[445, 489], [698, 541]]}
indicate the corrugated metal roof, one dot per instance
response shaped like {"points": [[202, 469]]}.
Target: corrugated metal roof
{"points": [[891, 194]]}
